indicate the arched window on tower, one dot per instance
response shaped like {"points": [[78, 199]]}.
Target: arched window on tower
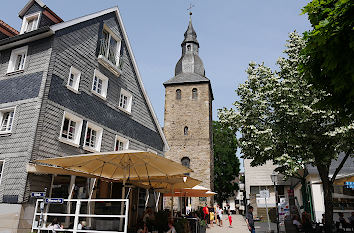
{"points": [[186, 162], [195, 93], [185, 130], [178, 94], [189, 47]]}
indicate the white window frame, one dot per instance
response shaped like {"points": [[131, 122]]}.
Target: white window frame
{"points": [[76, 81], [2, 169], [116, 38], [2, 111], [129, 96], [12, 62], [123, 140], [28, 18], [76, 141], [99, 131], [105, 79]]}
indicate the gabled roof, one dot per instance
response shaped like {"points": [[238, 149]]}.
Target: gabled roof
{"points": [[41, 4], [7, 29], [115, 10]]}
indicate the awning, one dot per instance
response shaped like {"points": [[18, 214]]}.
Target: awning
{"points": [[196, 191], [166, 184], [119, 165], [42, 169]]}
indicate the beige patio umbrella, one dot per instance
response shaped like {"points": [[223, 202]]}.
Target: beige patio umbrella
{"points": [[167, 184], [120, 165]]}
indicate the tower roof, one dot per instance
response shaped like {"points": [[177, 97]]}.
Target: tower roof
{"points": [[189, 68], [190, 35]]}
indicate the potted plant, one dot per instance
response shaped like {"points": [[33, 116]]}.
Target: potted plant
{"points": [[202, 226]]}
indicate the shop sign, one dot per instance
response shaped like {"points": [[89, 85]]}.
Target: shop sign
{"points": [[264, 193], [38, 194], [54, 200], [349, 185]]}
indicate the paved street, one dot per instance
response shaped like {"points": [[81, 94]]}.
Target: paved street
{"points": [[238, 225]]}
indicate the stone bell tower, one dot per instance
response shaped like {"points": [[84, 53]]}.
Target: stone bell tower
{"points": [[188, 115]]}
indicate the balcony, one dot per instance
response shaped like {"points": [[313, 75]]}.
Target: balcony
{"points": [[109, 58]]}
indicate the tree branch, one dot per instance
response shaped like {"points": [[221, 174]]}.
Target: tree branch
{"points": [[341, 165]]}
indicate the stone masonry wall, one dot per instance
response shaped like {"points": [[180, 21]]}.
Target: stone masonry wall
{"points": [[196, 115]]}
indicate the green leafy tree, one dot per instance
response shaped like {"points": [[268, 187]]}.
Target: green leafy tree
{"points": [[279, 120], [226, 163], [330, 51]]}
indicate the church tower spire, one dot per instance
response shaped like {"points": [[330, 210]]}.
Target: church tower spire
{"points": [[190, 61]]}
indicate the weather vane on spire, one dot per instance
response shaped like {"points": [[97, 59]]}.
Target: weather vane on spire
{"points": [[190, 9]]}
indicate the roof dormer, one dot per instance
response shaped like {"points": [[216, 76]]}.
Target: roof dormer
{"points": [[35, 15]]}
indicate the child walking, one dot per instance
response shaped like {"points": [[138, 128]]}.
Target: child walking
{"points": [[230, 218]]}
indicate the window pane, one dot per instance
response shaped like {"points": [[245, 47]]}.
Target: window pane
{"points": [[4, 122], [1, 164], [99, 86], [19, 64], [88, 137], [91, 138], [65, 129], [178, 94], [112, 50], [9, 124], [30, 25], [71, 80], [72, 130]]}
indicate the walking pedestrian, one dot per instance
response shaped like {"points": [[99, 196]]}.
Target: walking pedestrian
{"points": [[249, 220], [212, 216], [220, 216], [206, 213], [229, 217]]}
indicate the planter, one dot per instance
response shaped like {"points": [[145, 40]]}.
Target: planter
{"points": [[202, 229]]}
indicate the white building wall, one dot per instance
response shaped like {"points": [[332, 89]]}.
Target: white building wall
{"points": [[257, 176]]}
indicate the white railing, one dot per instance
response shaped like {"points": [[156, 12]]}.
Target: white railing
{"points": [[83, 215]]}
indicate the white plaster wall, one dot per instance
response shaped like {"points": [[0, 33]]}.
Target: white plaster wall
{"points": [[318, 201]]}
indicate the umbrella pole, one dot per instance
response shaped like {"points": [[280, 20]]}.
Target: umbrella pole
{"points": [[122, 204], [173, 191]]}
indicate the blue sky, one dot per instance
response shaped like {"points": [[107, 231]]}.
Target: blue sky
{"points": [[231, 33]]}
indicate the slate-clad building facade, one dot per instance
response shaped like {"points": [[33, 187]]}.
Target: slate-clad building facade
{"points": [[67, 88]]}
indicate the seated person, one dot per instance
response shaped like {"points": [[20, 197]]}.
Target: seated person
{"points": [[344, 222], [351, 219], [171, 227], [142, 228], [296, 222]]}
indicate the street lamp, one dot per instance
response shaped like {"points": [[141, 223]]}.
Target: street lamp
{"points": [[274, 177]]}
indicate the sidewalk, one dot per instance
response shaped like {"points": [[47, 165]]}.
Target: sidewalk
{"points": [[238, 225]]}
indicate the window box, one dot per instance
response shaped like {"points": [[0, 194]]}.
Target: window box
{"points": [[121, 143], [74, 80], [99, 84], [71, 129], [6, 120], [93, 137], [30, 22], [125, 101], [17, 60], [109, 53]]}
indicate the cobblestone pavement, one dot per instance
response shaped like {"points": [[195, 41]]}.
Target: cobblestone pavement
{"points": [[238, 225]]}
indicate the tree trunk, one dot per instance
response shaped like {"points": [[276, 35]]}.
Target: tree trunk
{"points": [[328, 200]]}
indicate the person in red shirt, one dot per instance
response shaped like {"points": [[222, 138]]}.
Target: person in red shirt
{"points": [[206, 212]]}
